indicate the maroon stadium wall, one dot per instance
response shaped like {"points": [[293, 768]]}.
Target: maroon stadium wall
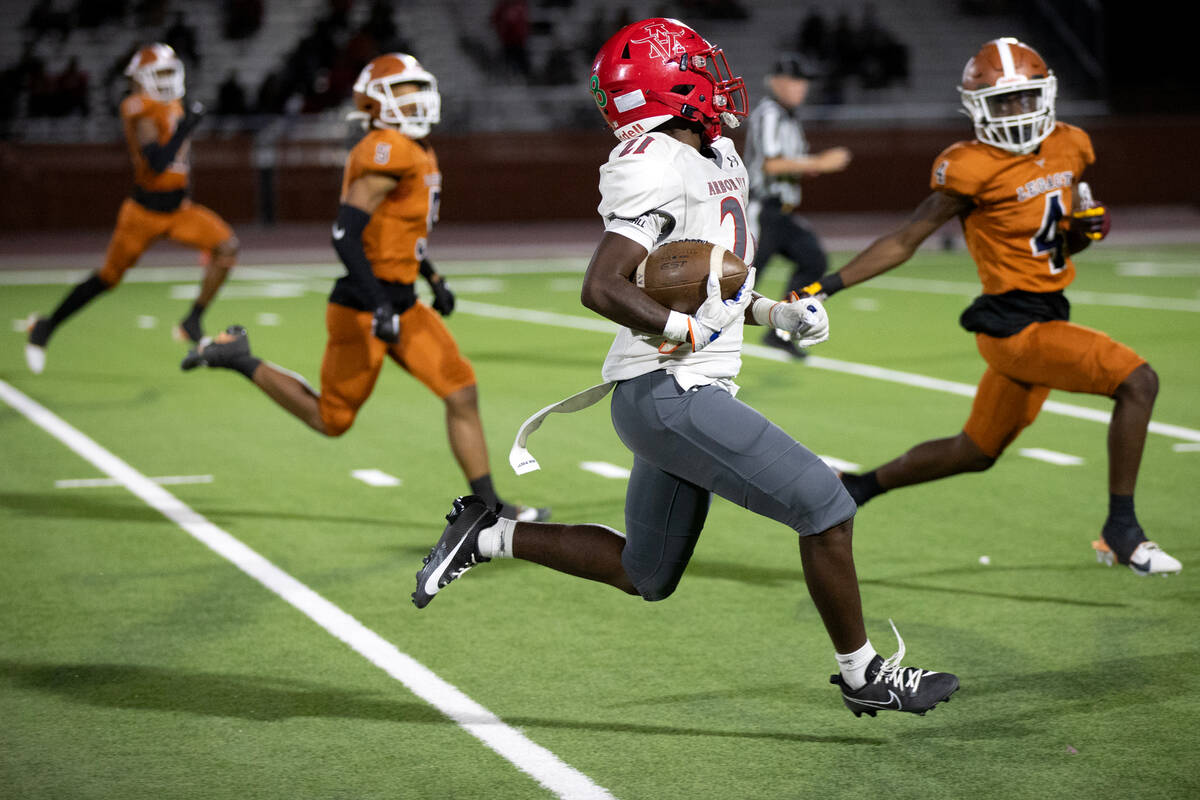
{"points": [[546, 176]]}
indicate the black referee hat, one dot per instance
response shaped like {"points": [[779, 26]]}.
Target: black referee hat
{"points": [[794, 65]]}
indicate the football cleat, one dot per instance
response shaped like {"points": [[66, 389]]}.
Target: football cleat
{"points": [[891, 687], [458, 549], [1147, 559], [189, 330], [222, 351], [35, 345]]}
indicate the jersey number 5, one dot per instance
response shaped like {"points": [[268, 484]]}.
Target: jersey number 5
{"points": [[1048, 241]]}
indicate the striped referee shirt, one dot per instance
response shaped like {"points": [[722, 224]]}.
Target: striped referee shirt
{"points": [[774, 133]]}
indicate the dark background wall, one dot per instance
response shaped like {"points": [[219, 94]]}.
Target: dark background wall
{"points": [[552, 176]]}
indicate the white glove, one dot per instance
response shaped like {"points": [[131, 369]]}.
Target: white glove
{"points": [[803, 317], [713, 316]]}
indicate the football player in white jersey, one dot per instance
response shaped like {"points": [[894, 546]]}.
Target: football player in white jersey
{"points": [[666, 93]]}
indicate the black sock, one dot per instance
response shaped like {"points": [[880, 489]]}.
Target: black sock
{"points": [[245, 364], [862, 487], [1121, 530], [79, 297], [484, 489], [1120, 508]]}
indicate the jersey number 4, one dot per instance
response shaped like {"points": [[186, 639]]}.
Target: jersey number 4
{"points": [[1048, 241]]}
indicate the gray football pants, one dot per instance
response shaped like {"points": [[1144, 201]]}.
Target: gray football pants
{"points": [[688, 445]]}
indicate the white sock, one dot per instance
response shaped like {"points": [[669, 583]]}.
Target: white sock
{"points": [[853, 666], [496, 541]]}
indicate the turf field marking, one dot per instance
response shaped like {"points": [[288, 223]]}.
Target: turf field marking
{"points": [[605, 469], [601, 325], [1080, 297], [1051, 456], [146, 322], [1186, 448], [1156, 269], [532, 759], [375, 477], [163, 480]]}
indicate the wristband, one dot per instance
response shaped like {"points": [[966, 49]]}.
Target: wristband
{"points": [[827, 285], [760, 310], [677, 328]]}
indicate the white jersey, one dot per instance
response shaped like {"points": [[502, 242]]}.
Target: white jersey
{"points": [[655, 189]]}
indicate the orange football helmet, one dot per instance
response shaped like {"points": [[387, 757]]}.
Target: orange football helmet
{"points": [[157, 71], [1008, 91], [413, 113]]}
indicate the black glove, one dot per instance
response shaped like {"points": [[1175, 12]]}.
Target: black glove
{"points": [[443, 298], [386, 324]]}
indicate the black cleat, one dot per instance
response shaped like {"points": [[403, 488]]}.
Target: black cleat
{"points": [[458, 549], [189, 330], [787, 345], [223, 351], [35, 346], [891, 687]]}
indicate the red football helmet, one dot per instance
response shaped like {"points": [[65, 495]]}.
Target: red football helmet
{"points": [[413, 113], [157, 71], [656, 69], [1009, 92]]}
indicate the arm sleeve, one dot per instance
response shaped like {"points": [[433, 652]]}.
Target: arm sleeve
{"points": [[160, 156], [347, 243]]}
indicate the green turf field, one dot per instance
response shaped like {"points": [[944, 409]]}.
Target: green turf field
{"points": [[135, 662]]}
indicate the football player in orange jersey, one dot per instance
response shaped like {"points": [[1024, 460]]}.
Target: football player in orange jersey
{"points": [[157, 130], [389, 202], [1016, 190]]}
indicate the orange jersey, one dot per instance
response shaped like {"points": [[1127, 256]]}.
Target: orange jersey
{"points": [[165, 117], [1015, 233], [394, 240]]}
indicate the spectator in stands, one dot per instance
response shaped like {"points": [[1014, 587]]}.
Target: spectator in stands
{"points": [[43, 18], [231, 97], [181, 37], [270, 96], [95, 13], [882, 58], [243, 18], [150, 14], [812, 38], [510, 19], [70, 91]]}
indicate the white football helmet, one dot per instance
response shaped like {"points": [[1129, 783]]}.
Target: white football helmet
{"points": [[376, 101], [157, 71], [1008, 91]]}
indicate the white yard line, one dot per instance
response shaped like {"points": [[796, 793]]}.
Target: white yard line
{"points": [[815, 362], [162, 480], [1050, 456], [533, 759]]}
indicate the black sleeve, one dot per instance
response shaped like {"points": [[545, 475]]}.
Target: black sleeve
{"points": [[160, 156], [347, 243], [427, 270]]}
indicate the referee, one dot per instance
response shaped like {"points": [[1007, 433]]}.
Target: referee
{"points": [[777, 157]]}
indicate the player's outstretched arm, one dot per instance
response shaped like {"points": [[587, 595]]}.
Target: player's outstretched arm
{"points": [[895, 248]]}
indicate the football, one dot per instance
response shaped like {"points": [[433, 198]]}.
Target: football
{"points": [[676, 274]]}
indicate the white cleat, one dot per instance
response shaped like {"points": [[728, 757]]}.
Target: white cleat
{"points": [[35, 358], [1147, 559]]}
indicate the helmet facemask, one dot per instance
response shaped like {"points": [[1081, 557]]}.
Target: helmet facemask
{"points": [[412, 113], [162, 80], [1017, 117]]}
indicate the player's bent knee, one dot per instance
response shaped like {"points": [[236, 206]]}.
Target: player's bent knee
{"points": [[335, 423], [225, 254], [1141, 385]]}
